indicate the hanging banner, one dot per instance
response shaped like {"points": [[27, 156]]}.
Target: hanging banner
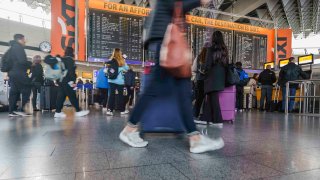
{"points": [[284, 43], [62, 25]]}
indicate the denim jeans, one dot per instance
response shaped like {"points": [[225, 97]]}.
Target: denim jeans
{"points": [[266, 93], [292, 92]]}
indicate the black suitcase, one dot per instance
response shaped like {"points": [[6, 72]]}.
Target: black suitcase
{"points": [[48, 97], [276, 104]]}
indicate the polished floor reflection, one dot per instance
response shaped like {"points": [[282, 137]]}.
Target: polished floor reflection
{"points": [[258, 146]]}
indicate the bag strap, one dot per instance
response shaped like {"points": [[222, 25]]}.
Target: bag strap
{"points": [[178, 18]]}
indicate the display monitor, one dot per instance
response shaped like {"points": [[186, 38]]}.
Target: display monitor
{"points": [[269, 63], [283, 62], [307, 59]]}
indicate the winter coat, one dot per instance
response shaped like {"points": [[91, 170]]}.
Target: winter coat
{"points": [[215, 77], [102, 79], [162, 15]]}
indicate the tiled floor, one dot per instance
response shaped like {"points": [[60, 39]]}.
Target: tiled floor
{"points": [[258, 146]]}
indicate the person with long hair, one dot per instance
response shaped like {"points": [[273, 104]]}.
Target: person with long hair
{"points": [[37, 79], [215, 78], [117, 84], [67, 85], [198, 69], [162, 84]]}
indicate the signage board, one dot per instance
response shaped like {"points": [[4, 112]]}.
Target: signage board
{"points": [[307, 59]]}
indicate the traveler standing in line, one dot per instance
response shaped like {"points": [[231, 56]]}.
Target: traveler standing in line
{"points": [[290, 72], [162, 83], [103, 86], [19, 81], [66, 87], [130, 82], [116, 83], [253, 83], [37, 79], [266, 78], [215, 79], [198, 68], [244, 79]]}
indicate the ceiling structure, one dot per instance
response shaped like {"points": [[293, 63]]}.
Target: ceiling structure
{"points": [[302, 16]]}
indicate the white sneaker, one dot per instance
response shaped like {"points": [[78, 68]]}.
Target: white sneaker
{"points": [[104, 109], [205, 144], [13, 114], [200, 122], [133, 139], [60, 115], [125, 112], [109, 113], [82, 113], [22, 114], [218, 125]]}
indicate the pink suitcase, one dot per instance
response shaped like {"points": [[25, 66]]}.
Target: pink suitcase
{"points": [[227, 100]]}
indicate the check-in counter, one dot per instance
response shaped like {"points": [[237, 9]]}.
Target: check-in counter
{"points": [[258, 91]]}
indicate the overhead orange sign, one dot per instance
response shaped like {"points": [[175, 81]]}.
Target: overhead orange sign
{"points": [[284, 43], [119, 8], [62, 25], [225, 25]]}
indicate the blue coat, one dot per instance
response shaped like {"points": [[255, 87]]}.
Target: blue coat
{"points": [[102, 80]]}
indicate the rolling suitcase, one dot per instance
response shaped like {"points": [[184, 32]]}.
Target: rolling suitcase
{"points": [[48, 97], [227, 100]]}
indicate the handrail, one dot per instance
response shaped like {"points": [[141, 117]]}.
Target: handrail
{"points": [[308, 89]]}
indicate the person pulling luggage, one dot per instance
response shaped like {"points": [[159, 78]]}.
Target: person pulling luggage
{"points": [[37, 80]]}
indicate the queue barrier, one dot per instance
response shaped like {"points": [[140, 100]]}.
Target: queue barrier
{"points": [[309, 99]]}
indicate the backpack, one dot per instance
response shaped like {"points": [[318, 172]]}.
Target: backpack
{"points": [[113, 70], [232, 76], [244, 78], [54, 69], [6, 62]]}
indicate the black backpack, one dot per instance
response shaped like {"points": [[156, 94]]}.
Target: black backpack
{"points": [[6, 61], [113, 70]]}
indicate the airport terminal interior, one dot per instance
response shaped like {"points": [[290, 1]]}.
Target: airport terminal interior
{"points": [[86, 90]]}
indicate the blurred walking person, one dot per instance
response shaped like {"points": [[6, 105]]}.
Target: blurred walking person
{"points": [[19, 80], [198, 68], [67, 85], [103, 86], [37, 80], [161, 83]]}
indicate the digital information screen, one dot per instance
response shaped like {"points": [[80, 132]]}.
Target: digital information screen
{"points": [[112, 30], [283, 62], [251, 50], [303, 60]]}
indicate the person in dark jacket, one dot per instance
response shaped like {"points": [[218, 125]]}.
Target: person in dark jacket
{"points": [[163, 84], [37, 79], [215, 79], [67, 85], [244, 79], [198, 69], [20, 81], [266, 78], [130, 82], [290, 72]]}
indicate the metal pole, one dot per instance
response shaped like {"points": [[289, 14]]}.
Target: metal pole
{"points": [[76, 38], [87, 98], [287, 98], [300, 99], [276, 43], [314, 99]]}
